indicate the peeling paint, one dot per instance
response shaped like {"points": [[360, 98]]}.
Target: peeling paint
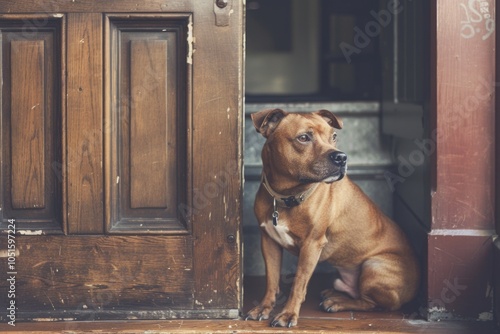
{"points": [[190, 41], [53, 319], [437, 309], [466, 232], [485, 316], [5, 253], [439, 313], [30, 232]]}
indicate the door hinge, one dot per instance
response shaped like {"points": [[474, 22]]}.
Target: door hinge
{"points": [[222, 9]]}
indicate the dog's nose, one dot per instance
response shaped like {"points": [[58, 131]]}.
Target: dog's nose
{"points": [[338, 158]]}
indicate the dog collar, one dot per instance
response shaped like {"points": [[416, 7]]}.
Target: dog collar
{"points": [[287, 201]]}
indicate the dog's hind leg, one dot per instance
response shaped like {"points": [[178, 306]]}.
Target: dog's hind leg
{"points": [[372, 291]]}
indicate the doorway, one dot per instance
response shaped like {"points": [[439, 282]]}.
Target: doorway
{"points": [[367, 62], [428, 103]]}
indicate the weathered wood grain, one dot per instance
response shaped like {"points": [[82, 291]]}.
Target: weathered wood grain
{"points": [[146, 123], [28, 124], [148, 126], [99, 272], [371, 324], [217, 158], [110, 6], [31, 123], [136, 273], [84, 123], [464, 121]]}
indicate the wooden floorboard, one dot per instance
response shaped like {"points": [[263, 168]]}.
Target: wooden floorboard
{"points": [[312, 320], [306, 325]]}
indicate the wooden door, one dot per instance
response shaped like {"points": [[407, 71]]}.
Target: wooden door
{"points": [[120, 149]]}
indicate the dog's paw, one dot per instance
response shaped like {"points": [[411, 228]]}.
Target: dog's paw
{"points": [[335, 301], [330, 304], [285, 319], [259, 312]]}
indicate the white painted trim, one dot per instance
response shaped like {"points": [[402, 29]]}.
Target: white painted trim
{"points": [[476, 233]]}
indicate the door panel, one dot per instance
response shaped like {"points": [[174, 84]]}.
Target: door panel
{"points": [[147, 123], [121, 274], [27, 124], [31, 117], [142, 141], [149, 137]]}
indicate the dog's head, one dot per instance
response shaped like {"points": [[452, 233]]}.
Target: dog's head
{"points": [[302, 145]]}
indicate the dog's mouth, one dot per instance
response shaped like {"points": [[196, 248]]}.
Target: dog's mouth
{"points": [[336, 176], [326, 176]]}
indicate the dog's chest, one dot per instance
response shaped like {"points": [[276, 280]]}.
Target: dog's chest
{"points": [[279, 233]]}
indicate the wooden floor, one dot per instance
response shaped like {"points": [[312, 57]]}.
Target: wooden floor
{"points": [[312, 320], [306, 325]]}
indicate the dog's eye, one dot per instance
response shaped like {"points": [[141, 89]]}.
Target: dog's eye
{"points": [[334, 137], [303, 138]]}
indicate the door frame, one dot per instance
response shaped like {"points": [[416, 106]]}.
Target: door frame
{"points": [[460, 242]]}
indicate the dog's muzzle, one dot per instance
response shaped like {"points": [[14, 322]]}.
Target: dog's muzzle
{"points": [[339, 160]]}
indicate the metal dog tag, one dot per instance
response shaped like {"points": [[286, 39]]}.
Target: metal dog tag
{"points": [[275, 218], [275, 214]]}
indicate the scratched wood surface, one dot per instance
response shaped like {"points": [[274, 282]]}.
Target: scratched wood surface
{"points": [[464, 118], [149, 137], [147, 154], [217, 158], [81, 274], [190, 123], [27, 122], [239, 326], [31, 135], [84, 124], [463, 171], [110, 6]]}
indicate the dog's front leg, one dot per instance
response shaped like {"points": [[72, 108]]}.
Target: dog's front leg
{"points": [[272, 253], [308, 259]]}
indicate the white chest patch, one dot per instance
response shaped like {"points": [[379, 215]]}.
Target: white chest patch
{"points": [[279, 233]]}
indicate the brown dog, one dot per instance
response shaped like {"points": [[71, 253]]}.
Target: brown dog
{"points": [[306, 205]]}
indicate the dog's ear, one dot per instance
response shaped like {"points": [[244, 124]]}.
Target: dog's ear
{"points": [[331, 119], [265, 121]]}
